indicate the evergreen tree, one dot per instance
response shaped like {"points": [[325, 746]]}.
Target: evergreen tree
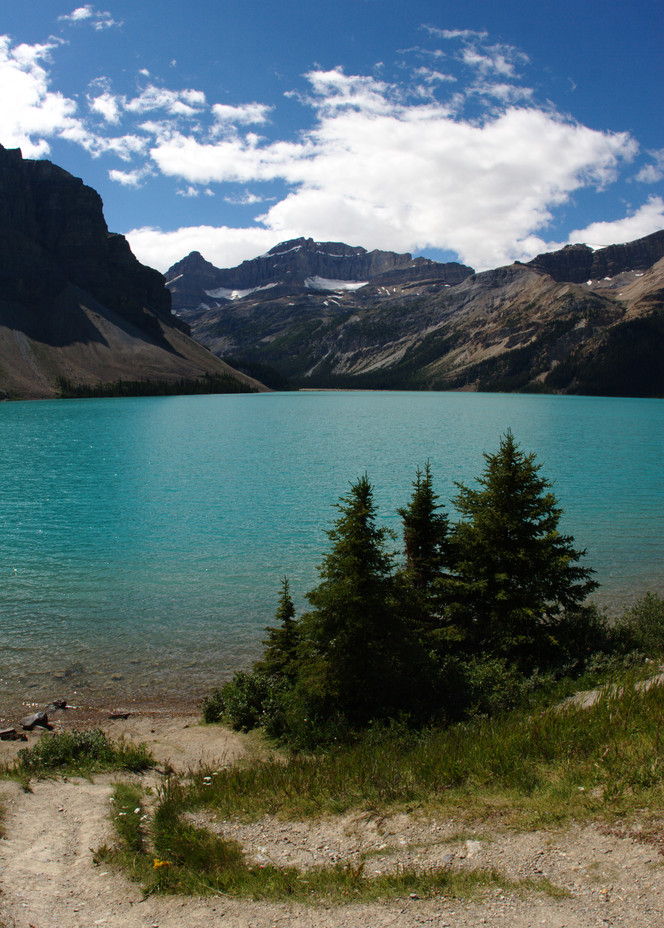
{"points": [[517, 577], [427, 553], [351, 646], [425, 530], [280, 656]]}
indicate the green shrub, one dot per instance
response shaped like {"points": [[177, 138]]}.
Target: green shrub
{"points": [[242, 702], [81, 751], [641, 628], [212, 706], [493, 685]]}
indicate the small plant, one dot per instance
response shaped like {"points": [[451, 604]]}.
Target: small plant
{"points": [[128, 816], [80, 752]]}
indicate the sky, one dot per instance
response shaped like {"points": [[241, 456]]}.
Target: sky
{"points": [[463, 130]]}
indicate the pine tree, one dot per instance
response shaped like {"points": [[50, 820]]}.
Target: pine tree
{"points": [[425, 530], [351, 645], [280, 656], [517, 577], [422, 602]]}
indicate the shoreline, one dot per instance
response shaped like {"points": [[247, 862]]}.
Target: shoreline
{"points": [[173, 733], [100, 715]]}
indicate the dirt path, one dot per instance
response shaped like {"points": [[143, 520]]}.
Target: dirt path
{"points": [[48, 878]]}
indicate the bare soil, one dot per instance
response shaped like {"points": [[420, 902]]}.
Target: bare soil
{"points": [[48, 879]]}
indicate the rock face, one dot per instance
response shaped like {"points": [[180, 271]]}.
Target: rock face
{"points": [[297, 266], [52, 232], [556, 324], [579, 263], [74, 301]]}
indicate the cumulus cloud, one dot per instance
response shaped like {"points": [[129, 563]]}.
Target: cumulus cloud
{"points": [[174, 102], [31, 112], [410, 176], [386, 164], [107, 105], [130, 178], [643, 221], [189, 191], [653, 172], [222, 245], [87, 14], [244, 115]]}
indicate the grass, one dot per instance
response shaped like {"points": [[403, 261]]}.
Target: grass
{"points": [[532, 768], [171, 855], [77, 753], [548, 763]]}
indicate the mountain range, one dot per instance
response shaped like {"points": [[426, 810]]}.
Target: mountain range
{"points": [[312, 314], [76, 306]]}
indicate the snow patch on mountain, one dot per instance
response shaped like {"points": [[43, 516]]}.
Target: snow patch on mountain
{"points": [[223, 293], [323, 283]]}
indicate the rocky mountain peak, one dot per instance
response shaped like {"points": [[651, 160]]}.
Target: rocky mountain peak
{"points": [[579, 263], [296, 266]]}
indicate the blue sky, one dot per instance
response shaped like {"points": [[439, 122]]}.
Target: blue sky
{"points": [[472, 130]]}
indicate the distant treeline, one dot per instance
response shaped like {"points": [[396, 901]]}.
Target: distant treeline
{"points": [[209, 383]]}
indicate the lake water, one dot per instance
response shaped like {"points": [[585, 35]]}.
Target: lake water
{"points": [[143, 541]]}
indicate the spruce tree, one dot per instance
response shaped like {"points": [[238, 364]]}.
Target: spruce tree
{"points": [[427, 553], [517, 577], [280, 656], [350, 643], [425, 530]]}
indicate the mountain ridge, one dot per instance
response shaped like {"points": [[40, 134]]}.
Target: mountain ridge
{"points": [[546, 325]]}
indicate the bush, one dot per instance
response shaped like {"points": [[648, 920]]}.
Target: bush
{"points": [[641, 628], [493, 685], [81, 751], [212, 706], [245, 701]]}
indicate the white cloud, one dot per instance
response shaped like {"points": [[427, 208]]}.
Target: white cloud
{"points": [[98, 19], [236, 160], [246, 114], [395, 175], [223, 246], [496, 60], [456, 33], [188, 191], [654, 172], [645, 220], [246, 199], [31, 113], [129, 178], [382, 164], [174, 102], [108, 105], [432, 76], [505, 93]]}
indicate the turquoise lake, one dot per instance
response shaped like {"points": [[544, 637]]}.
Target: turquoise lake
{"points": [[143, 541]]}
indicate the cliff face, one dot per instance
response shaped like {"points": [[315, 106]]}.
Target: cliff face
{"points": [[301, 258], [74, 301], [53, 232], [579, 263]]}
